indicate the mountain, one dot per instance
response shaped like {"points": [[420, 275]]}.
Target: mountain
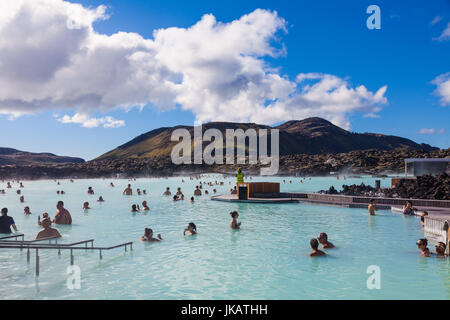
{"points": [[308, 136], [10, 156]]}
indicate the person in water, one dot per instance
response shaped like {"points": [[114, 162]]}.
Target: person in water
{"points": [[135, 208], [191, 228], [440, 250], [234, 224], [128, 191], [44, 216], [48, 231], [6, 222], [372, 207], [197, 191], [422, 217], [175, 198], [100, 199], [62, 215], [422, 245], [145, 206], [323, 239], [22, 199], [167, 192], [192, 199], [148, 236], [86, 206], [26, 210], [90, 190], [315, 247], [408, 209]]}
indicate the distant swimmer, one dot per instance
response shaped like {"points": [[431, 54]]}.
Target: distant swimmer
{"points": [[192, 199], [135, 208], [175, 198], [86, 206], [234, 224], [8, 185], [422, 245], [167, 192], [440, 250], [100, 199], [6, 222], [323, 239], [408, 208], [90, 190], [148, 236], [26, 210], [197, 191], [21, 185], [22, 199], [191, 229], [145, 206], [48, 231], [128, 191], [138, 191], [179, 193], [372, 207], [62, 215], [314, 246], [111, 184], [422, 217]]}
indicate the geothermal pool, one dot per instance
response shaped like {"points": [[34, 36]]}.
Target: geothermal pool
{"points": [[266, 259]]}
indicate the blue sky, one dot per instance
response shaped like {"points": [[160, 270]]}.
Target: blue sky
{"points": [[328, 37]]}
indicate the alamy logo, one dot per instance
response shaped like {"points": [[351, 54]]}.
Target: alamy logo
{"points": [[74, 278], [374, 280], [213, 153], [374, 21]]}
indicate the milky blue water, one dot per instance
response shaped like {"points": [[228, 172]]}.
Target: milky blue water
{"points": [[266, 259]]}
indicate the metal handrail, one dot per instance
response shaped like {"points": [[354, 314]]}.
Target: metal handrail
{"points": [[32, 242], [14, 236], [28, 241]]}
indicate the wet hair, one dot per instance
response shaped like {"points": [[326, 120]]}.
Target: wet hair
{"points": [[424, 241], [5, 210], [193, 226], [133, 207], [175, 197], [46, 222], [233, 213], [323, 235], [60, 203], [314, 243], [192, 198], [442, 244], [148, 231]]}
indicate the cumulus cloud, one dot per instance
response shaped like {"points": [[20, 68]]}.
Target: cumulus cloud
{"points": [[92, 122], [52, 58], [431, 131], [443, 88]]}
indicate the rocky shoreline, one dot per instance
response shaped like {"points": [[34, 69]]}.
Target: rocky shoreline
{"points": [[372, 162]]}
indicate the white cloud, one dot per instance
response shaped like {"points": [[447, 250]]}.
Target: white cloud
{"points": [[435, 20], [445, 35], [431, 131], [443, 88], [52, 58], [91, 122]]}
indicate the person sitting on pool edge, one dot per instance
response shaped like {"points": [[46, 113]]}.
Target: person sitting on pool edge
{"points": [[148, 236], [234, 224], [372, 207], [191, 228], [323, 239], [48, 231], [440, 250], [315, 247], [422, 245]]}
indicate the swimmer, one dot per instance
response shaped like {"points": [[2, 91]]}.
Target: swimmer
{"points": [[22, 199], [167, 192], [145, 206], [314, 246], [86, 206], [422, 217], [21, 185], [62, 215], [175, 198], [214, 191], [372, 207], [323, 239], [144, 192], [192, 199], [135, 208], [138, 191], [57, 192], [48, 231], [206, 192], [408, 209], [62, 192], [128, 191], [234, 224], [18, 192], [440, 250], [111, 185], [148, 236], [44, 216], [197, 191], [422, 245], [100, 199], [182, 197], [26, 210], [90, 190], [179, 193], [191, 228]]}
